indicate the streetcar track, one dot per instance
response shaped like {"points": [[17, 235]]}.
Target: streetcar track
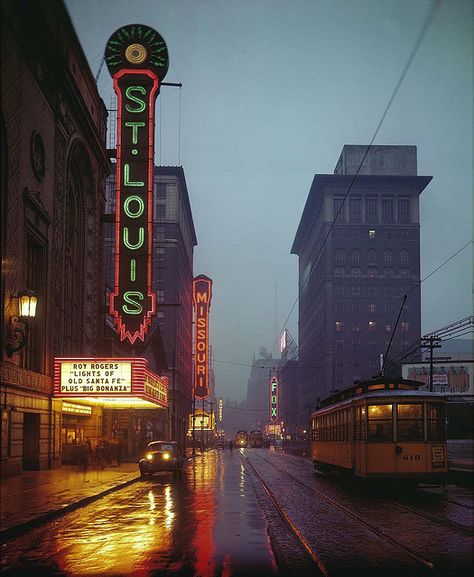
{"points": [[377, 531], [434, 518], [286, 518]]}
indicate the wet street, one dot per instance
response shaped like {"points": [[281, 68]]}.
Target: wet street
{"points": [[253, 512]]}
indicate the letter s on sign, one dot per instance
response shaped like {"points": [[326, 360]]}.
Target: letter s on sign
{"points": [[141, 103], [127, 298]]}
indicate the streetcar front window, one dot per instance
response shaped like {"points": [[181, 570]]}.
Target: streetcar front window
{"points": [[410, 422], [380, 427], [436, 422]]}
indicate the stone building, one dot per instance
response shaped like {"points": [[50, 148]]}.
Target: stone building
{"points": [[358, 243], [54, 165]]}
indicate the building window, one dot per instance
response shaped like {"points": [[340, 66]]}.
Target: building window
{"points": [[355, 211], [372, 308], [355, 290], [338, 209], [387, 210], [160, 296], [403, 210], [340, 257], [371, 234], [339, 232], [355, 257], [405, 326], [371, 210], [372, 326], [36, 265], [355, 272], [371, 272], [388, 258], [371, 256], [371, 291], [339, 271], [356, 328], [404, 258], [388, 328], [339, 326]]}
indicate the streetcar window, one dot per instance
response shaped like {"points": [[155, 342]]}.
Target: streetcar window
{"points": [[380, 423], [410, 422], [436, 422], [375, 387]]}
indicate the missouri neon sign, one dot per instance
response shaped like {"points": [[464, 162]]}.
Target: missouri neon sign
{"points": [[273, 399], [202, 294], [137, 58]]}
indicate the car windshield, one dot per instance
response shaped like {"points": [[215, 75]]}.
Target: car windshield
{"points": [[160, 447]]}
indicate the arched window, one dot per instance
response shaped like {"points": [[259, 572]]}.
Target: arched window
{"points": [[355, 256], [388, 258], [372, 256], [74, 240], [340, 257], [404, 258]]}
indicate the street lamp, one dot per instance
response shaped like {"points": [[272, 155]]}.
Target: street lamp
{"points": [[25, 306]]}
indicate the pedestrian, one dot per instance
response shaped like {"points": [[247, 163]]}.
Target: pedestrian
{"points": [[83, 456], [231, 445]]}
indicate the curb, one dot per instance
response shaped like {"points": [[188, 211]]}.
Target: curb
{"points": [[22, 528]]}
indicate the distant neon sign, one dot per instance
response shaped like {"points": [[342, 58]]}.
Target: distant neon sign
{"points": [[274, 399], [202, 294], [137, 59]]}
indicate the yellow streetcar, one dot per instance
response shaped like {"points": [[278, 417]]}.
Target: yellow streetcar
{"points": [[382, 429]]}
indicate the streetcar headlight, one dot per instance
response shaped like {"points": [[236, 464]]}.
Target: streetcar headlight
{"points": [[166, 456]]}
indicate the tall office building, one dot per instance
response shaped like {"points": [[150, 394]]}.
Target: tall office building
{"points": [[359, 254]]}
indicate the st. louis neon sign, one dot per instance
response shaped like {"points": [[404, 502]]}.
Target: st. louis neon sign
{"points": [[273, 399], [137, 58], [202, 294]]}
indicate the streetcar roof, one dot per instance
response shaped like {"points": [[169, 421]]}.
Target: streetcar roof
{"points": [[390, 394]]}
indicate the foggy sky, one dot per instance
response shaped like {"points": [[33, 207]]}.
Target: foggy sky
{"points": [[272, 90]]}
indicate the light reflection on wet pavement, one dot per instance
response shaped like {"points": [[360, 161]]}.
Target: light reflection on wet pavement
{"points": [[206, 524]]}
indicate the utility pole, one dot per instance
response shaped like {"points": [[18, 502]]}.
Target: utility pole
{"points": [[431, 342]]}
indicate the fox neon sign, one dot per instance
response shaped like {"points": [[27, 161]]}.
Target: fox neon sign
{"points": [[137, 58], [274, 399], [202, 294]]}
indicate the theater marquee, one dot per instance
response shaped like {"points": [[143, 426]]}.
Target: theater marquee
{"points": [[137, 58], [110, 381]]}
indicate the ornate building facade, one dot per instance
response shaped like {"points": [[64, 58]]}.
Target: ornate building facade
{"points": [[54, 165]]}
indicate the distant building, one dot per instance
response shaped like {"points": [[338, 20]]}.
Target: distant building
{"points": [[288, 386], [353, 273], [258, 389]]}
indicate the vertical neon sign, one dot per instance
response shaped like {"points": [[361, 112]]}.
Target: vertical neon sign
{"points": [[137, 58], [202, 294], [274, 399]]}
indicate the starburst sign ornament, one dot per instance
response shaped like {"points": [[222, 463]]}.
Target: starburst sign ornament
{"points": [[137, 59]]}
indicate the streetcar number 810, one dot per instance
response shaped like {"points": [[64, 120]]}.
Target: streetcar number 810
{"points": [[411, 457]]}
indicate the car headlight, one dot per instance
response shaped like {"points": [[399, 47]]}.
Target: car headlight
{"points": [[166, 456], [149, 456]]}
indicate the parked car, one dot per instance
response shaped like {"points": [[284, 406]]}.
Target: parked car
{"points": [[162, 456]]}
